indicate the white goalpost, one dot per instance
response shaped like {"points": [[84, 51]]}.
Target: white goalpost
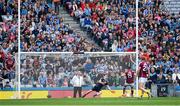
{"points": [[16, 82], [19, 48], [137, 48]]}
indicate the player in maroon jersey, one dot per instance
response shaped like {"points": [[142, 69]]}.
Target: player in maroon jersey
{"points": [[143, 73], [130, 75]]}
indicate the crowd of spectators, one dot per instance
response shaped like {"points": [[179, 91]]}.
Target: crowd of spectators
{"points": [[8, 41], [159, 41], [111, 23], [43, 30], [58, 70]]}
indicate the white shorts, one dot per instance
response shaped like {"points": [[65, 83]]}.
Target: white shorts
{"points": [[129, 84], [142, 80]]}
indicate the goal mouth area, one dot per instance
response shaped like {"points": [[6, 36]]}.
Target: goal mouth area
{"points": [[69, 63]]}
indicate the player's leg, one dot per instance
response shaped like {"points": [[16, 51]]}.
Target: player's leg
{"points": [[141, 88], [75, 92], [79, 91], [97, 94], [148, 93], [132, 90], [124, 90], [87, 93], [145, 90], [142, 83]]}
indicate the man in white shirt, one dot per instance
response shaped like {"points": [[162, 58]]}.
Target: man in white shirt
{"points": [[77, 82], [176, 77]]}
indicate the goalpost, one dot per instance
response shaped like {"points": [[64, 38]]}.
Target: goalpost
{"points": [[15, 83], [17, 57], [137, 47]]}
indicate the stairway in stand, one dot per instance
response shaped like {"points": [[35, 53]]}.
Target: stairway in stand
{"points": [[68, 20]]}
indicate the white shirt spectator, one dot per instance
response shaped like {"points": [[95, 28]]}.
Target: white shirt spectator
{"points": [[174, 75], [114, 46], [77, 81]]}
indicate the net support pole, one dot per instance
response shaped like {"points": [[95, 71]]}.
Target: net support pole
{"points": [[137, 47], [19, 51]]}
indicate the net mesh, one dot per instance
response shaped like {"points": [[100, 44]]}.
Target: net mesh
{"points": [[57, 70]]}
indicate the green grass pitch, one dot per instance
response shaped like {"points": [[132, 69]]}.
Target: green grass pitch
{"points": [[168, 101]]}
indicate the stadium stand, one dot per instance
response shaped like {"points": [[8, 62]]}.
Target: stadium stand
{"points": [[159, 40], [43, 30], [8, 41], [110, 23]]}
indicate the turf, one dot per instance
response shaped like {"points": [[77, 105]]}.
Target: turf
{"points": [[92, 102]]}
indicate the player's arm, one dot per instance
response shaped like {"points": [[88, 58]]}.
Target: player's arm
{"points": [[149, 72], [72, 81], [108, 87], [124, 73], [100, 82], [135, 75]]}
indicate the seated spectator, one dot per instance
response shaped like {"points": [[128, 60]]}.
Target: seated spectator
{"points": [[87, 11], [7, 85], [65, 83], [50, 81], [7, 17], [25, 79], [42, 80], [115, 46], [87, 23], [161, 78], [88, 66], [153, 76]]}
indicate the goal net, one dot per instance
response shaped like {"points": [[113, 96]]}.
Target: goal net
{"points": [[54, 71]]}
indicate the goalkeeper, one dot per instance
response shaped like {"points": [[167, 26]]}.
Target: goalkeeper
{"points": [[97, 88]]}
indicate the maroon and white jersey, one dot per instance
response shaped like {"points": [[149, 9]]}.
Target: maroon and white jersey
{"points": [[129, 76], [143, 72]]}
